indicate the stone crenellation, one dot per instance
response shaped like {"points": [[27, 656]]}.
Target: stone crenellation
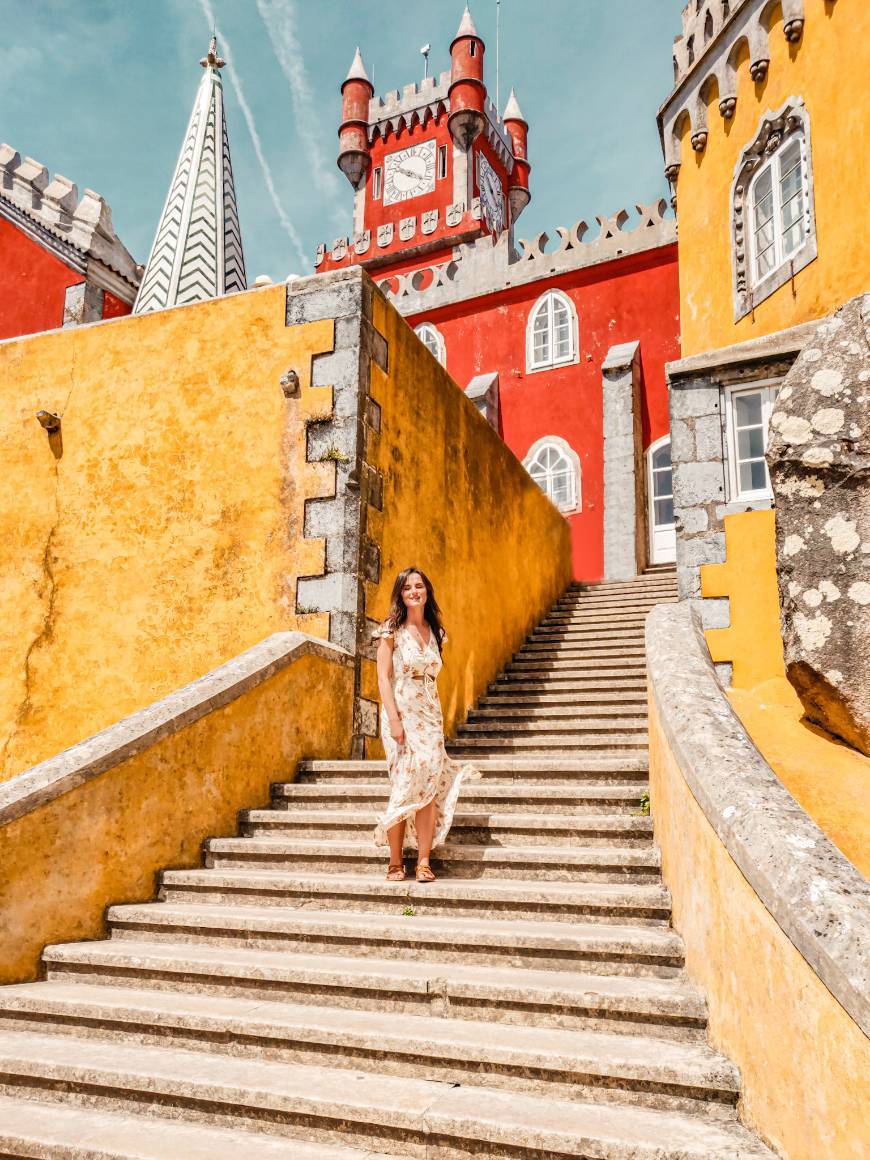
{"points": [[481, 267], [416, 104], [78, 230], [705, 60]]}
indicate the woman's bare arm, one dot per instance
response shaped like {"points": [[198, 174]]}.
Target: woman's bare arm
{"points": [[385, 687]]}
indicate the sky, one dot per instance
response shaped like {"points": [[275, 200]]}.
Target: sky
{"points": [[101, 91]]}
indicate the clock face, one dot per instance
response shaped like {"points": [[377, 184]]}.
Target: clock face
{"points": [[409, 172], [491, 194]]}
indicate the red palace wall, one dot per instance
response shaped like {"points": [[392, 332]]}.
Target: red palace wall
{"points": [[33, 283], [634, 298]]}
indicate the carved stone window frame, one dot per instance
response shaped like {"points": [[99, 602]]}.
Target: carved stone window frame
{"points": [[775, 131]]}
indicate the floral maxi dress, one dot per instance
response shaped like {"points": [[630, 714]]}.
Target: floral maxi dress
{"points": [[419, 770]]}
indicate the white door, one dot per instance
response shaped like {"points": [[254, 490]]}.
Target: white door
{"points": [[662, 530]]}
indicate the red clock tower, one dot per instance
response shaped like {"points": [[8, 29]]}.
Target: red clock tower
{"points": [[432, 167]]}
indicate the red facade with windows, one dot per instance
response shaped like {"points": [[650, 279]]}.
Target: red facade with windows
{"points": [[444, 251]]}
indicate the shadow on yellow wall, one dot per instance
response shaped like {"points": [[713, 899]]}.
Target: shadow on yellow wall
{"points": [[826, 777]]}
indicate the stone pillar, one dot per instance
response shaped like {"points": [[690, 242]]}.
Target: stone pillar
{"points": [[624, 505], [82, 303]]}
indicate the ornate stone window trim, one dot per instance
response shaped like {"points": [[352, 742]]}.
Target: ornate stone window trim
{"points": [[775, 130], [548, 301]]}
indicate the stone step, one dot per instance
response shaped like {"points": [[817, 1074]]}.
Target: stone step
{"points": [[604, 608], [605, 631], [466, 747], [535, 711], [571, 799], [576, 863], [498, 829], [379, 1112], [655, 590], [616, 652], [52, 1131], [546, 684], [469, 898], [605, 700], [599, 948], [617, 666], [623, 1004], [627, 767], [568, 1064], [564, 724]]}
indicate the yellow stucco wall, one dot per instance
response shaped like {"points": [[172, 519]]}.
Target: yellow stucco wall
{"points": [[828, 778], [104, 842], [804, 1063], [828, 68], [459, 505], [166, 538]]}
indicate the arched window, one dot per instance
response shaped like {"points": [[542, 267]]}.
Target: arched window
{"points": [[433, 340], [708, 26], [555, 468], [660, 489], [773, 233], [551, 337]]}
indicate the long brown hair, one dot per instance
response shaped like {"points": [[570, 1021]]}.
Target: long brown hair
{"points": [[431, 612]]}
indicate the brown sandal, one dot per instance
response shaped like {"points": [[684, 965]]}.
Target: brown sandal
{"points": [[424, 872], [395, 872]]}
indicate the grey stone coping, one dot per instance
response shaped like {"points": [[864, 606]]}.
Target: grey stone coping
{"points": [[782, 343], [112, 746], [816, 896]]}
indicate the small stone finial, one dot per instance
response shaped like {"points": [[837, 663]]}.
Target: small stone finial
{"points": [[357, 70], [211, 59], [466, 25], [512, 110]]}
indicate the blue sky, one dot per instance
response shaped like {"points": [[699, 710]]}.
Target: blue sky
{"points": [[100, 91]]}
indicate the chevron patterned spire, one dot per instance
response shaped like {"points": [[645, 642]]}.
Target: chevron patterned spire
{"points": [[197, 251]]}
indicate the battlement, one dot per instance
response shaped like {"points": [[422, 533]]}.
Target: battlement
{"points": [[480, 268], [706, 55], [78, 230]]}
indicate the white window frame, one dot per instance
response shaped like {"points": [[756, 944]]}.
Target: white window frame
{"points": [[774, 167], [564, 448], [652, 497], [433, 340], [777, 131], [547, 300], [768, 389], [442, 162], [377, 183]]}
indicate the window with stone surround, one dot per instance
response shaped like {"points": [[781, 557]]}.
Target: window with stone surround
{"points": [[555, 467], [433, 340], [773, 217], [747, 416], [551, 336]]}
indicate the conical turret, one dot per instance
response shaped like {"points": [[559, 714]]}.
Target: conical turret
{"points": [[197, 251], [518, 128], [467, 90], [354, 156]]}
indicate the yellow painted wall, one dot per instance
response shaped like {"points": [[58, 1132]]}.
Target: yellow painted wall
{"points": [[104, 842], [804, 1063], [828, 68], [828, 778], [459, 505], [166, 538]]}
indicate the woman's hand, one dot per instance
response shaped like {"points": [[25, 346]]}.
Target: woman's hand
{"points": [[397, 730]]}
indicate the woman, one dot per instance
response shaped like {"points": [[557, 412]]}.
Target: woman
{"points": [[424, 781]]}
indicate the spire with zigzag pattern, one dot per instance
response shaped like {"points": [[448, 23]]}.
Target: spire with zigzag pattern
{"points": [[197, 251]]}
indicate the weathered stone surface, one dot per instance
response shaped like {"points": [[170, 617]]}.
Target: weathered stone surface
{"points": [[819, 461]]}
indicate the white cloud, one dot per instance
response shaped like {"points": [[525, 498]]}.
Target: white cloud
{"points": [[280, 19], [226, 51]]}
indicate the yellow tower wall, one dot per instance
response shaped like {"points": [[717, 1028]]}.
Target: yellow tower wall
{"points": [[828, 68], [160, 533]]}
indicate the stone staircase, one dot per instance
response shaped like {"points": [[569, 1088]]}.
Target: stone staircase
{"points": [[287, 1001]]}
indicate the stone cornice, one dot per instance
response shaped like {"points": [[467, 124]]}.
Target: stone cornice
{"points": [[714, 65], [50, 212]]}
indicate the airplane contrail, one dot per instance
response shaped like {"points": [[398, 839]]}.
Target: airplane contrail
{"points": [[226, 50]]}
